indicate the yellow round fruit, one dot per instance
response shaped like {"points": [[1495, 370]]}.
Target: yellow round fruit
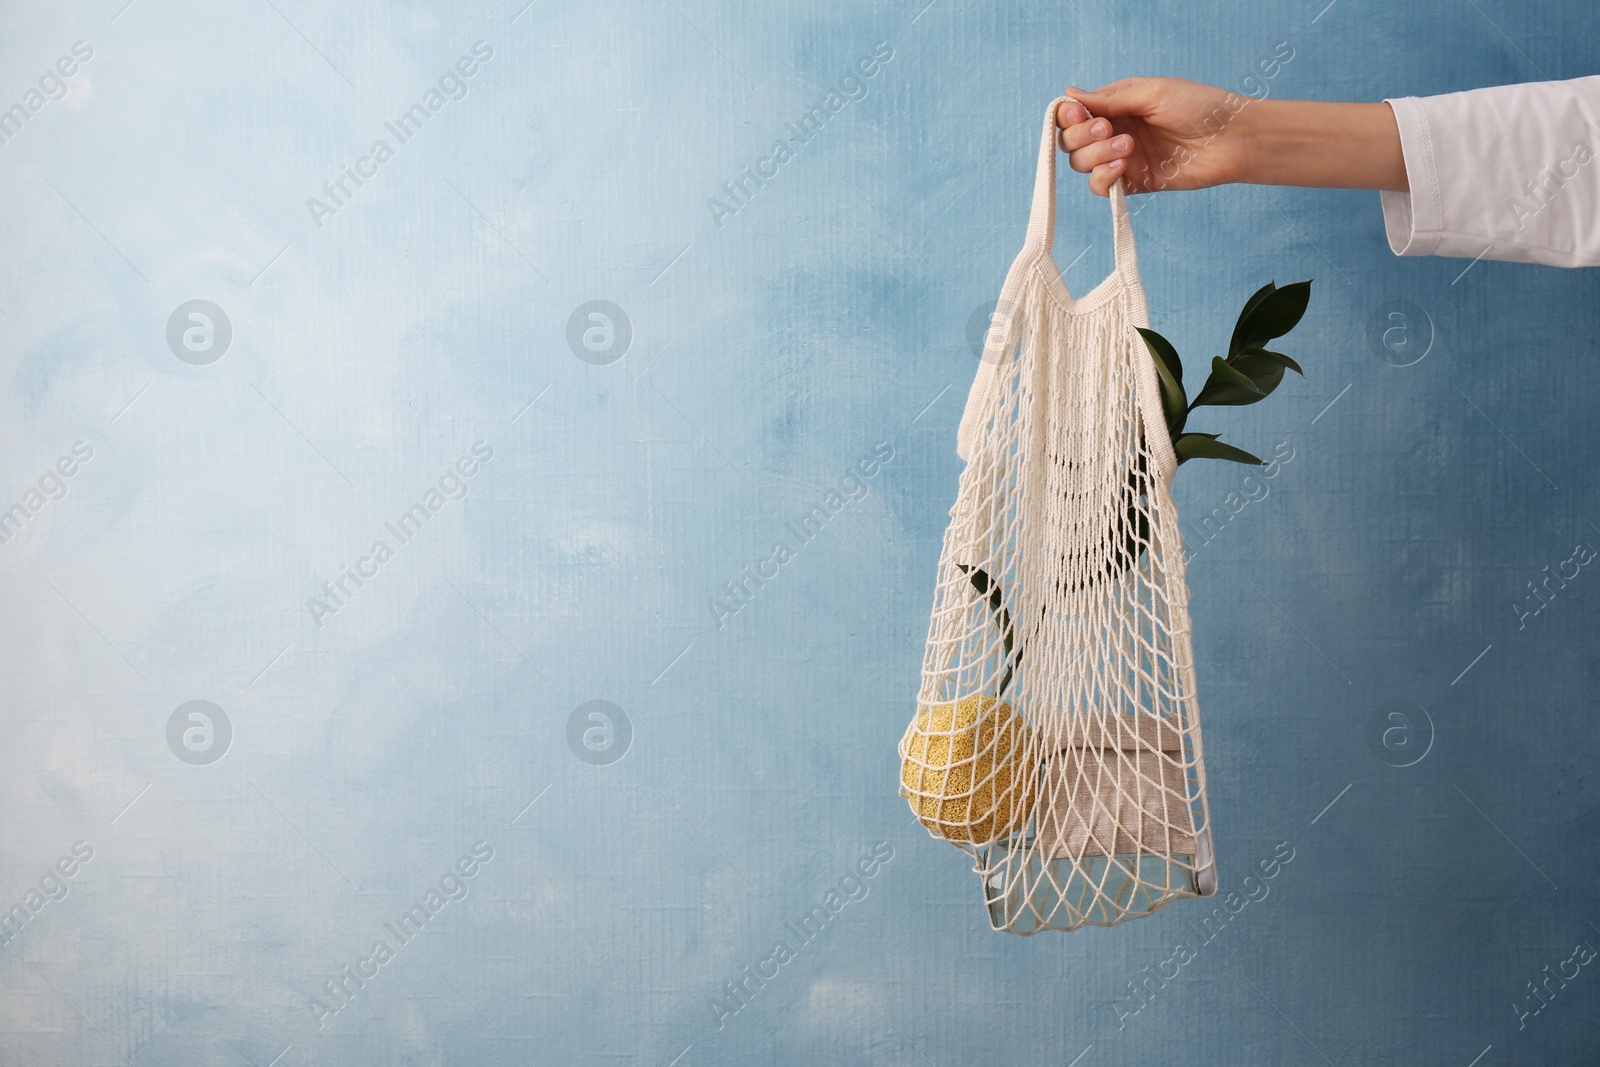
{"points": [[966, 771]]}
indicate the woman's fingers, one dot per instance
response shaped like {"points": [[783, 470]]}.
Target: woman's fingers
{"points": [[1096, 153], [1103, 177], [1130, 96], [1082, 134], [1069, 114]]}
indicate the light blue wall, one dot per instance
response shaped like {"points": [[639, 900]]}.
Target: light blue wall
{"points": [[773, 349]]}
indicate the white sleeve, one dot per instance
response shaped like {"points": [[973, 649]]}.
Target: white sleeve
{"points": [[1509, 172]]}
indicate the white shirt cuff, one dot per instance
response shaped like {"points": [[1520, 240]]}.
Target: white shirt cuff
{"points": [[1412, 220]]}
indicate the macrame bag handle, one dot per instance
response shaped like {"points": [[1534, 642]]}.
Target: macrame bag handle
{"points": [[1041, 237], [1037, 246], [1042, 220]]}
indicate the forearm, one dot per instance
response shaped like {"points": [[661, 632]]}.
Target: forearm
{"points": [[1328, 146]]}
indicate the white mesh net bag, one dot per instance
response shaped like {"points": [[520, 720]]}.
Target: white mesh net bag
{"points": [[1057, 734]]}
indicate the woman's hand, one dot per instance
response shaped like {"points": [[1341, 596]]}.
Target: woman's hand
{"points": [[1155, 133], [1169, 133]]}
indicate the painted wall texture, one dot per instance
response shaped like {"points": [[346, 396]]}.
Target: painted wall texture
{"points": [[416, 648]]}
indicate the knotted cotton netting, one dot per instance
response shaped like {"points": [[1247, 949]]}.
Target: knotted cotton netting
{"points": [[1057, 735]]}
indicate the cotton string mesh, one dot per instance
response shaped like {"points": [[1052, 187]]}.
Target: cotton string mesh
{"points": [[1069, 766]]}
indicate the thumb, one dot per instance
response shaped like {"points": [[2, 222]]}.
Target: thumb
{"points": [[1131, 97]]}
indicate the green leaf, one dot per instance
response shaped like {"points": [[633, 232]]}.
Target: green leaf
{"points": [[1265, 373], [1169, 368], [1276, 357], [1227, 386], [1162, 349], [1274, 315], [1237, 341], [1206, 446]]}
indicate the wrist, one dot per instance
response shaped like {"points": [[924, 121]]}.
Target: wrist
{"points": [[1319, 145], [1240, 143], [1262, 132]]}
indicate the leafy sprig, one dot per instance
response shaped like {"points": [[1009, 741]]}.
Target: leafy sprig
{"points": [[1246, 375]]}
